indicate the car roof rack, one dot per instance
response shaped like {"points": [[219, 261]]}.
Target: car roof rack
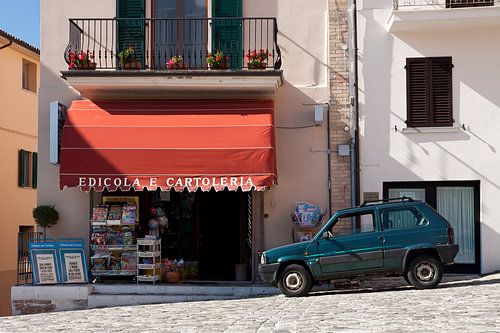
{"points": [[401, 199]]}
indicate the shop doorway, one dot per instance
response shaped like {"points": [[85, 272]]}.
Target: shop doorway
{"points": [[221, 234], [209, 231]]}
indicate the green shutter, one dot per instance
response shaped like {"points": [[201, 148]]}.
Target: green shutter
{"points": [[131, 32], [34, 178], [228, 34], [22, 173]]}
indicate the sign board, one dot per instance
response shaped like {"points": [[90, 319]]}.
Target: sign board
{"points": [[72, 259], [45, 262]]}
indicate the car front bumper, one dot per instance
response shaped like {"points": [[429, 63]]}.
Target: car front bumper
{"points": [[268, 273], [447, 253]]}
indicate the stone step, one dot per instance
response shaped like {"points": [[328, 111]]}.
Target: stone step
{"points": [[184, 289], [100, 301]]}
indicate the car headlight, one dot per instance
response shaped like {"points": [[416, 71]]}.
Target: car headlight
{"points": [[263, 259]]}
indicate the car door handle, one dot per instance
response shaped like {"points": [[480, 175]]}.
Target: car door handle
{"points": [[382, 239]]}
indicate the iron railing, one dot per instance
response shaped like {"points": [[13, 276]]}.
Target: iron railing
{"points": [[156, 40], [443, 3], [24, 268]]}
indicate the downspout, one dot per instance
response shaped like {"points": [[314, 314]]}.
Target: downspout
{"points": [[329, 150], [353, 96], [7, 45]]}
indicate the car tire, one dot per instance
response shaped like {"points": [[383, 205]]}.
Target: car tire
{"points": [[295, 281], [425, 272]]}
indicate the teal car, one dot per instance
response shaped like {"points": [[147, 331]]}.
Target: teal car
{"points": [[392, 237]]}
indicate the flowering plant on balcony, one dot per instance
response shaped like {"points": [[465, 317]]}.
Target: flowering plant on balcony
{"points": [[175, 62], [257, 59], [217, 60], [127, 59], [81, 60]]}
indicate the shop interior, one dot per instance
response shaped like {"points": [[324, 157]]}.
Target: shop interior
{"points": [[204, 235]]}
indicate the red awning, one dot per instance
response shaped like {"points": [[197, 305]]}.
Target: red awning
{"points": [[169, 144]]}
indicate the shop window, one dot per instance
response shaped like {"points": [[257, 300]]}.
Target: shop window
{"points": [[27, 168], [29, 76], [429, 92]]}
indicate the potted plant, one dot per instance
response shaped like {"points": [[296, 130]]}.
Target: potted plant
{"points": [[257, 59], [176, 62], [81, 60], [172, 270], [45, 216], [217, 60], [127, 59]]}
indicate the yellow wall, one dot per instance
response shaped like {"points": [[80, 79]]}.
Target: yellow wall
{"points": [[18, 130]]}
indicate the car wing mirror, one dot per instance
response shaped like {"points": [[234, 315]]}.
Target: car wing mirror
{"points": [[327, 235]]}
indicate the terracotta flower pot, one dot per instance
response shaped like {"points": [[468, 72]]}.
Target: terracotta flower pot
{"points": [[176, 66], [87, 66], [219, 66], [262, 65], [172, 277], [132, 65]]}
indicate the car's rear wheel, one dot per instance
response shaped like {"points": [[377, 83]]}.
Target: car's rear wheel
{"points": [[425, 272], [295, 281]]}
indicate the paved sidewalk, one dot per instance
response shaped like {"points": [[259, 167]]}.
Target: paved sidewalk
{"points": [[469, 304]]}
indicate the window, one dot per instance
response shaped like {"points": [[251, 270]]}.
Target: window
{"points": [[402, 218], [27, 168], [468, 3], [429, 92], [351, 224], [29, 76]]}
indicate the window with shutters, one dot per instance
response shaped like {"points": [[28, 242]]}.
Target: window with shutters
{"points": [[429, 92], [28, 162]]}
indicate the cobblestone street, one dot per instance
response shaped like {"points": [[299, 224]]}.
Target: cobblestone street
{"points": [[467, 305]]}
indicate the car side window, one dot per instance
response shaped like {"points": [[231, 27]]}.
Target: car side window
{"points": [[402, 218], [350, 224]]}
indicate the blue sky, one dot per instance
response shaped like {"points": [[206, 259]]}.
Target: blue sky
{"points": [[21, 18]]}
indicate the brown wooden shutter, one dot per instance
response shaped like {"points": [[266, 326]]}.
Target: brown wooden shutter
{"points": [[441, 103], [417, 92], [429, 92]]}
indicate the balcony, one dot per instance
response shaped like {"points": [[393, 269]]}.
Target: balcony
{"points": [[129, 58], [437, 15]]}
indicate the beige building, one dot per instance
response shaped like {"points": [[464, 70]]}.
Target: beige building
{"points": [[19, 70], [264, 178]]}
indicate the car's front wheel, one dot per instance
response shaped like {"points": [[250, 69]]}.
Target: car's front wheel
{"points": [[425, 272], [295, 281]]}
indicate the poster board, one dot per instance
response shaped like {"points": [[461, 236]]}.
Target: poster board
{"points": [[44, 261], [123, 200], [73, 262]]}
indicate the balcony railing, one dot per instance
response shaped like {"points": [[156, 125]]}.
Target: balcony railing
{"points": [[156, 40], [397, 4]]}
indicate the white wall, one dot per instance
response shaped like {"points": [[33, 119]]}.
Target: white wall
{"points": [[471, 154], [301, 153]]}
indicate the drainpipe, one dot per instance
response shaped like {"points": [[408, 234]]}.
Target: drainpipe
{"points": [[7, 45], [353, 96], [329, 150]]}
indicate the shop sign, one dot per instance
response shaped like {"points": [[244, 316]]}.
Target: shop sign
{"points": [[58, 261], [73, 262], [166, 182], [45, 263]]}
